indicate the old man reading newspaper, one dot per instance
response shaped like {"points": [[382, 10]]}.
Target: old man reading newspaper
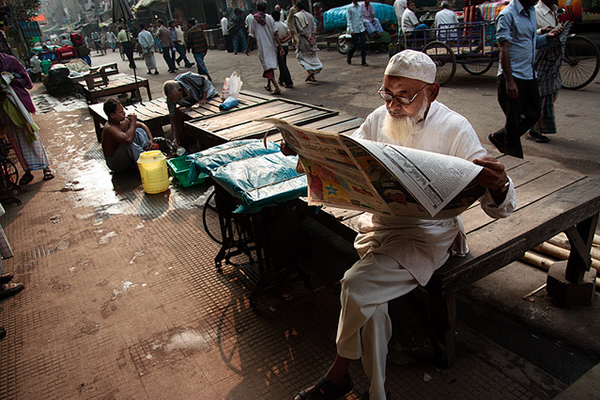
{"points": [[414, 192]]}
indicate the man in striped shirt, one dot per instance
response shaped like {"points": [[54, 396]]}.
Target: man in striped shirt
{"points": [[196, 42]]}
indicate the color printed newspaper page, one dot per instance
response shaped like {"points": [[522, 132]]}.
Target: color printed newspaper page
{"points": [[363, 175]]}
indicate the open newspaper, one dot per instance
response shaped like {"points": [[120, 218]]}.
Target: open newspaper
{"points": [[359, 174]]}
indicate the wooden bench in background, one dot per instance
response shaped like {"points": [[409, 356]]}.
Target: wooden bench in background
{"points": [[99, 84]]}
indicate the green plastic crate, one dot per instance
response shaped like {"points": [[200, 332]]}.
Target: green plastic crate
{"points": [[180, 169]]}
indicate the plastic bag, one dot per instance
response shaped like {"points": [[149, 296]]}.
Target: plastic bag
{"points": [[235, 85], [231, 87], [225, 90]]}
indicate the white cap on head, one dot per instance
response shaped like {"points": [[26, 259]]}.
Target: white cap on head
{"points": [[413, 65]]}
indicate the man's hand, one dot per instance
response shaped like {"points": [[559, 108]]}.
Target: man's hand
{"points": [[512, 89], [285, 149], [492, 176], [546, 29], [132, 117], [281, 51], [555, 33]]}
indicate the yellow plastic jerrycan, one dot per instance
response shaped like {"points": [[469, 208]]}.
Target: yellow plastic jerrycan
{"points": [[153, 170]]}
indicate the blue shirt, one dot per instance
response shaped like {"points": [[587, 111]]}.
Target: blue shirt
{"points": [[355, 19], [517, 25]]}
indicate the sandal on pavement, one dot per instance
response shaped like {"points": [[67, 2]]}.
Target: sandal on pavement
{"points": [[277, 92], [5, 278], [48, 174], [268, 88], [325, 390], [25, 179]]}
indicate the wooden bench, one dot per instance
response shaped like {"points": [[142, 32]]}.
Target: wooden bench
{"points": [[98, 84], [152, 113], [549, 200], [155, 113], [213, 130], [109, 69]]}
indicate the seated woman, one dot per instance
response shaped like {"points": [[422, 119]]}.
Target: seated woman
{"points": [[186, 90]]}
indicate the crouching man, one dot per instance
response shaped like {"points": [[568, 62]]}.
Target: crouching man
{"points": [[123, 137]]}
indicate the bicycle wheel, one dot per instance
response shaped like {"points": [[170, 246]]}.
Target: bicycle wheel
{"points": [[10, 171], [581, 61], [443, 57]]}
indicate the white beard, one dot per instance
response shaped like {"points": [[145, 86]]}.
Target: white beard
{"points": [[401, 127]]}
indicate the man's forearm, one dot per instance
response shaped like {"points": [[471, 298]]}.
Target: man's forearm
{"points": [[505, 60]]}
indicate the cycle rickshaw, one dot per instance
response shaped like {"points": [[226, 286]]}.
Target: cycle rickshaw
{"points": [[473, 45]]}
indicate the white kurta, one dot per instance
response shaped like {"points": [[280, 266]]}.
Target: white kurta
{"points": [[423, 245], [400, 253], [265, 39]]}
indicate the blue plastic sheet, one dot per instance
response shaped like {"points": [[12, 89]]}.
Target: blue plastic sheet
{"points": [[335, 18], [256, 175]]}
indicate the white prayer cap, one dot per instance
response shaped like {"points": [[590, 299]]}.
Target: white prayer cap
{"points": [[413, 65]]}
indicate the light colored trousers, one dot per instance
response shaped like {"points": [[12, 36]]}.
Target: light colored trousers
{"points": [[365, 327]]}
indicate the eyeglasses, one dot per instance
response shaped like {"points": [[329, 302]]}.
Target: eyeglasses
{"points": [[405, 101]]}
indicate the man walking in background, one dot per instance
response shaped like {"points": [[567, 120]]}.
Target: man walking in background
{"points": [[147, 44], [518, 93], [356, 27], [166, 43], [225, 31], [547, 66], [196, 43]]}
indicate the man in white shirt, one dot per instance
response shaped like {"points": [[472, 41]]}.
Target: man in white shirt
{"points": [[399, 7], [447, 21], [146, 41], [409, 18], [356, 27], [398, 254], [225, 31]]}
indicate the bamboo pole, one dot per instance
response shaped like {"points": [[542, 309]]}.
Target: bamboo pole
{"points": [[544, 263], [561, 253], [562, 241]]}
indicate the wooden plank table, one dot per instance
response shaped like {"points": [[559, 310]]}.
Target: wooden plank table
{"points": [[117, 84], [109, 69], [242, 124], [155, 113], [549, 201], [152, 113], [246, 99]]}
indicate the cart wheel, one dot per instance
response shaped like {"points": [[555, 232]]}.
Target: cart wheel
{"points": [[343, 46], [478, 67], [581, 61], [444, 59]]}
